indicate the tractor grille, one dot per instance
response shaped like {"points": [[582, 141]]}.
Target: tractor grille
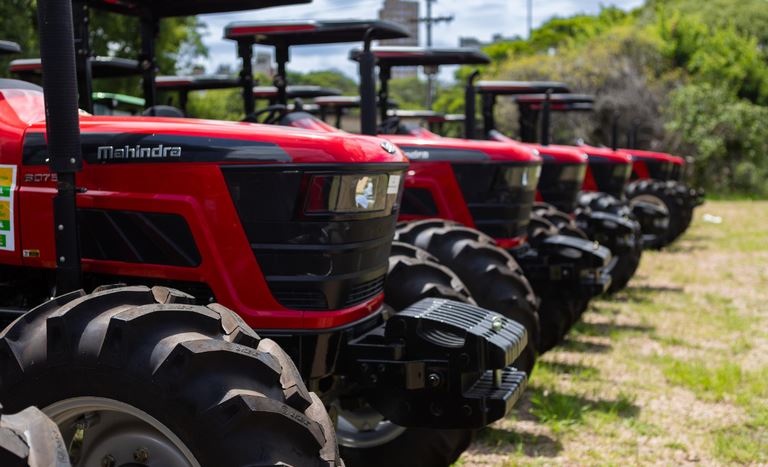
{"points": [[610, 177], [499, 196], [560, 184], [312, 262]]}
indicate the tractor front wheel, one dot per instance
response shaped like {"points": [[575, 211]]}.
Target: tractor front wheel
{"points": [[140, 376]]}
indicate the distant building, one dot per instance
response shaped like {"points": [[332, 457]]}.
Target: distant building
{"points": [[406, 14]]}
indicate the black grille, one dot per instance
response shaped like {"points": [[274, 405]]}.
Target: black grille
{"points": [[560, 184], [499, 196], [610, 177], [659, 170], [312, 300], [310, 261], [365, 291]]}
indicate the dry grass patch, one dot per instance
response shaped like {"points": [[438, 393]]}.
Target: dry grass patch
{"points": [[674, 370]]}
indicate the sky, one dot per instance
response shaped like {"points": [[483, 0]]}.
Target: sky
{"points": [[474, 18]]}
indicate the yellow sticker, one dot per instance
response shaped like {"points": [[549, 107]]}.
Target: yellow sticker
{"points": [[5, 210], [6, 176]]}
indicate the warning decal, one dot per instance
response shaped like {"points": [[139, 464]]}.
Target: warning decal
{"points": [[7, 191]]}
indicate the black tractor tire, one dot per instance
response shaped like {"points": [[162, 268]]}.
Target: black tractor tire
{"points": [[670, 195], [624, 265], [30, 439], [491, 275], [196, 379], [563, 221], [413, 275]]}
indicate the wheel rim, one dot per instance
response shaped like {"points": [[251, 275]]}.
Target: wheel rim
{"points": [[105, 432], [364, 428]]}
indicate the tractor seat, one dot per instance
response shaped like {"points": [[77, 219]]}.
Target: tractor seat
{"points": [[163, 111]]}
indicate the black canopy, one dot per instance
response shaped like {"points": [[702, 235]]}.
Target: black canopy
{"points": [[307, 32], [293, 92], [8, 47], [196, 83], [520, 87], [102, 67], [558, 102], [165, 8], [423, 56]]}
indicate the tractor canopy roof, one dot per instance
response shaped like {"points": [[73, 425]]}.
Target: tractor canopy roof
{"points": [[422, 56], [306, 32], [196, 83], [558, 102], [8, 47], [508, 88], [344, 102], [102, 67], [166, 8], [295, 91]]}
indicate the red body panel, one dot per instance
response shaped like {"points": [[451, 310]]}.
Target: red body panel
{"points": [[196, 191], [640, 159]]}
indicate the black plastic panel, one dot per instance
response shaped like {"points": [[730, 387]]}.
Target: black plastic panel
{"points": [[560, 184], [611, 178], [499, 196], [312, 261], [137, 237], [418, 202]]}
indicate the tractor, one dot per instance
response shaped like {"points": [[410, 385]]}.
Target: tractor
{"points": [[469, 203], [187, 235]]}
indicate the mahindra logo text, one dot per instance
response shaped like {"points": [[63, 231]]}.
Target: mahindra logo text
{"points": [[108, 153]]}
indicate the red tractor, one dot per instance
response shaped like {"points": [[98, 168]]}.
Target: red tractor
{"points": [[562, 172], [663, 206], [289, 228], [489, 187]]}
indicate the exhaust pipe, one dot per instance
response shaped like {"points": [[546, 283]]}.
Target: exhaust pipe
{"points": [[367, 64], [57, 52], [470, 106]]}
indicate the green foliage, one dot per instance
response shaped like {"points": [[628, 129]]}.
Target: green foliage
{"points": [[727, 136], [325, 78]]}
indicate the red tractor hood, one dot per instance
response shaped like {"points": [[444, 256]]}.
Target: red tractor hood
{"points": [[234, 141], [419, 148], [607, 154], [659, 156]]}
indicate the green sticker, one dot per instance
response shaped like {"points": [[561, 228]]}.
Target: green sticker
{"points": [[5, 191], [5, 225], [2, 241]]}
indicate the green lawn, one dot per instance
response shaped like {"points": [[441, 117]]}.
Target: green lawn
{"points": [[673, 370]]}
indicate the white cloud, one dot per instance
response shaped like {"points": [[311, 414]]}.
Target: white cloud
{"points": [[476, 18]]}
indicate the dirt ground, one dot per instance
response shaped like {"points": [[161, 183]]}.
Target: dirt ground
{"points": [[672, 371]]}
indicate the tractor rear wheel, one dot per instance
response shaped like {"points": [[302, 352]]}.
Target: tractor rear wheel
{"points": [[491, 275], [30, 439], [413, 275], [138, 376]]}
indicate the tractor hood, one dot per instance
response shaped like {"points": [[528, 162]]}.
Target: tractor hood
{"points": [[652, 155], [421, 148]]}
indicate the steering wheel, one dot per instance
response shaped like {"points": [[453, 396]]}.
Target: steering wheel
{"points": [[268, 115], [389, 126]]}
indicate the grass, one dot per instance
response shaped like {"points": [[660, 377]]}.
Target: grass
{"points": [[674, 370]]}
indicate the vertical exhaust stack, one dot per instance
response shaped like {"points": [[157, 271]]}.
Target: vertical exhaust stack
{"points": [[367, 62], [57, 51], [470, 106]]}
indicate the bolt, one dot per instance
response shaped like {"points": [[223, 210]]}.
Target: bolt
{"points": [[108, 461], [71, 160], [364, 367], [61, 227], [434, 380], [497, 324], [595, 246], [374, 379], [381, 368], [141, 455], [62, 259]]}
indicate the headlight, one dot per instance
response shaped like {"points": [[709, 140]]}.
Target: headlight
{"points": [[358, 193]]}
